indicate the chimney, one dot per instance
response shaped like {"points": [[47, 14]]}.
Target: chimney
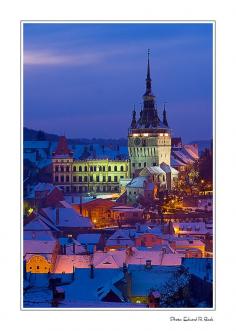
{"points": [[148, 264], [57, 216], [91, 271]]}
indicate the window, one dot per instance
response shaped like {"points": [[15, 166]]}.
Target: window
{"points": [[121, 177], [37, 267], [145, 164], [56, 168], [67, 168], [67, 178], [103, 168], [115, 168], [104, 188], [90, 178], [154, 164], [74, 188], [163, 178], [62, 179], [109, 168], [140, 165], [80, 179], [67, 189], [104, 179], [115, 178], [74, 168], [56, 178], [109, 179], [133, 165], [74, 178], [95, 168], [97, 178], [91, 168], [85, 178], [121, 168], [62, 169], [85, 168], [80, 168]]}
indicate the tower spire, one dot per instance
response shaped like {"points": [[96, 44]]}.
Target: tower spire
{"points": [[148, 79]]}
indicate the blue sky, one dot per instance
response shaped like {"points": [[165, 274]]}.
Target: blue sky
{"points": [[83, 79]]}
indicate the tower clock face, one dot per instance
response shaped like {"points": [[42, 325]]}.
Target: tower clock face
{"points": [[137, 141]]}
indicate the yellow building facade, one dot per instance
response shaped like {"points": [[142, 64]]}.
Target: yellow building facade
{"points": [[94, 176]]}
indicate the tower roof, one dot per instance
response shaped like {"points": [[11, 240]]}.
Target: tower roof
{"points": [[62, 147]]}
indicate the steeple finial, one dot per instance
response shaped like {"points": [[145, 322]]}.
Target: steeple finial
{"points": [[165, 122], [148, 79]]}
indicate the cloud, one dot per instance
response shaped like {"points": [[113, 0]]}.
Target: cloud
{"points": [[53, 58]]}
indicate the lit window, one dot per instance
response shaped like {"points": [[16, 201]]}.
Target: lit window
{"points": [[161, 134], [145, 134], [166, 135], [135, 135]]}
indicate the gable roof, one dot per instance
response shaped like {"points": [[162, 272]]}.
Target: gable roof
{"points": [[68, 217]]}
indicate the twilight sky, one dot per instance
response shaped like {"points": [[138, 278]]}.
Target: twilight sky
{"points": [[83, 79]]}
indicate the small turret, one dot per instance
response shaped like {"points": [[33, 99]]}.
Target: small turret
{"points": [[165, 122], [134, 123]]}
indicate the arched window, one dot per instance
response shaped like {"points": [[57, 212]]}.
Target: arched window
{"points": [[115, 168], [56, 168], [121, 168], [109, 168], [163, 178], [103, 168], [91, 168], [67, 168], [62, 169], [74, 168], [85, 168], [80, 168], [95, 168]]}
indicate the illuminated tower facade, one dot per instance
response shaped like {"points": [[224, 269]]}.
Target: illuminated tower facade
{"points": [[149, 138]]}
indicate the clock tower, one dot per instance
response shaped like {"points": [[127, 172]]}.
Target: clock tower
{"points": [[149, 138]]}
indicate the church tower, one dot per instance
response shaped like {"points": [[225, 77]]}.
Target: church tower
{"points": [[149, 137]]}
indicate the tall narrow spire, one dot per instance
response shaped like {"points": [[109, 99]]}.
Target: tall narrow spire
{"points": [[148, 79]]}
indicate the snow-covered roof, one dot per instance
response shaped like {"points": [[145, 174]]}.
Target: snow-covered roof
{"points": [[191, 228], [71, 246], [192, 150], [175, 162], [145, 280], [138, 182], [89, 238], [39, 246], [189, 243], [68, 217], [121, 237], [66, 263], [154, 170], [108, 260], [168, 169], [156, 257], [84, 288]]}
